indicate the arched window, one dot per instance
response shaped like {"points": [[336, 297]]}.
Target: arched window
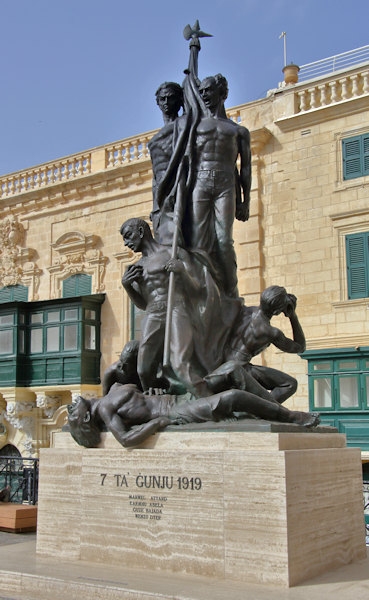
{"points": [[77, 285], [10, 450]]}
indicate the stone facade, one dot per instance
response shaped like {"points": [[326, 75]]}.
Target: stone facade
{"points": [[63, 217]]}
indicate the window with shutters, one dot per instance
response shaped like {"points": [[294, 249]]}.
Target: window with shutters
{"points": [[54, 341], [355, 154], [14, 293], [339, 390], [357, 264], [77, 285]]}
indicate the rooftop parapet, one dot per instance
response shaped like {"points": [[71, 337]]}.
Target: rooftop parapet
{"points": [[326, 88]]}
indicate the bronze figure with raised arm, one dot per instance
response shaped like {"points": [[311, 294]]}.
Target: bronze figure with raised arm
{"points": [[253, 333]]}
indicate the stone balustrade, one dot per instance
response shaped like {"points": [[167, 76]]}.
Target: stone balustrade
{"points": [[120, 153], [128, 150], [331, 91], [307, 97], [46, 174], [74, 166]]}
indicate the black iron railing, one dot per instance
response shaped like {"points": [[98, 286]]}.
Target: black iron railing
{"points": [[21, 475]]}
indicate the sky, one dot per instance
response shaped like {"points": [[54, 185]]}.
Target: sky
{"points": [[82, 73]]}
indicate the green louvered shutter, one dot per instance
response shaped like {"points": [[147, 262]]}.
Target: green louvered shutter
{"points": [[14, 293], [20, 293], [5, 295], [77, 285], [352, 157], [357, 265], [84, 284], [366, 153]]}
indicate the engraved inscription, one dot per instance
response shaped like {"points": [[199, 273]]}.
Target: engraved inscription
{"points": [[145, 506]]}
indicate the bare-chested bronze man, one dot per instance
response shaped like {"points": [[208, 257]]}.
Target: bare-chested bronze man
{"points": [[220, 193], [252, 334], [124, 370], [146, 283], [169, 98], [125, 408]]}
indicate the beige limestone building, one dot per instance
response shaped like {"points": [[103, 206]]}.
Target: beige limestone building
{"points": [[62, 257]]}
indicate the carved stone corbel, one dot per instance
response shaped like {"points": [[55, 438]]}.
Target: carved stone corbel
{"points": [[49, 403]]}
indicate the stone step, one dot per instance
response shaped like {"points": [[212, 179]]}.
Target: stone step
{"points": [[349, 582], [26, 576]]}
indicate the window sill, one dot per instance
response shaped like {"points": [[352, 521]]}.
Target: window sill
{"points": [[360, 302]]}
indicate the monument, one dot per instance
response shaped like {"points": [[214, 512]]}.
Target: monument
{"points": [[186, 281], [234, 482]]}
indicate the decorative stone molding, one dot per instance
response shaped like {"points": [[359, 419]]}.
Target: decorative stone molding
{"points": [[19, 418], [16, 266], [3, 432], [342, 341], [86, 394], [11, 233], [77, 253], [48, 403], [3, 428], [13, 409], [125, 256]]}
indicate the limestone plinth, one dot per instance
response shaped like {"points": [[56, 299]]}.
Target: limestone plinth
{"points": [[258, 507]]}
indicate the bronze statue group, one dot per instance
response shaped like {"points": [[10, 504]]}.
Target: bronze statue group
{"points": [[193, 361]]}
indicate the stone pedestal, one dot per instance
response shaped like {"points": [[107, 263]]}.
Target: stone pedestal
{"points": [[259, 507]]}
